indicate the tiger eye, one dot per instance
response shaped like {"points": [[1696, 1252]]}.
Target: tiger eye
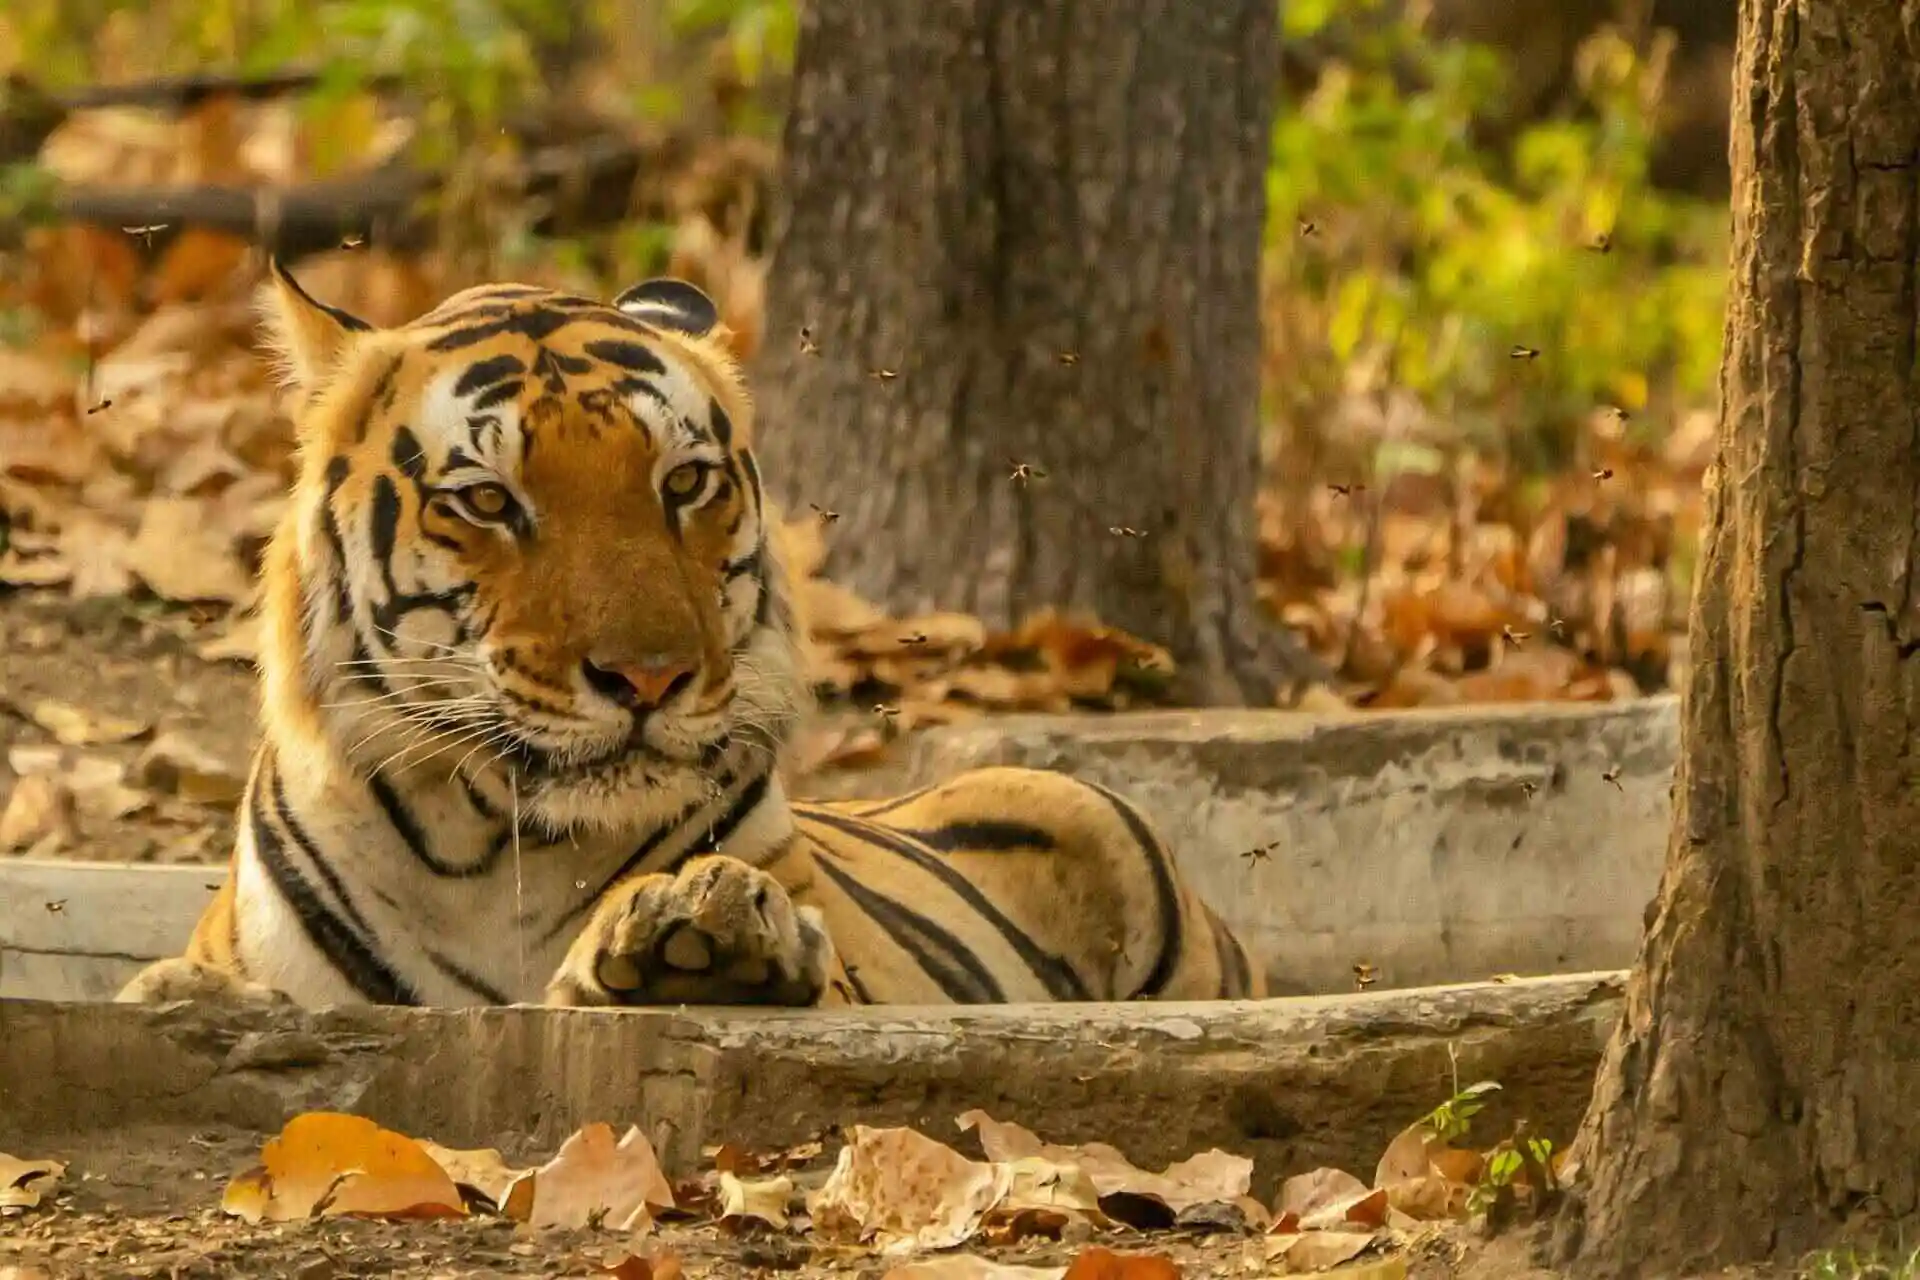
{"points": [[684, 480], [488, 501]]}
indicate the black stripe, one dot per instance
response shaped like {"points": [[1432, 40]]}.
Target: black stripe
{"points": [[1166, 893], [722, 424], [987, 835], [750, 797], [337, 472], [497, 395], [720, 832], [468, 979], [333, 937], [1059, 977], [898, 802], [409, 456], [631, 356], [940, 955], [408, 828], [534, 322], [482, 374], [300, 836]]}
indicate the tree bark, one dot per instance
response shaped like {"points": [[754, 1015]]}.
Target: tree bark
{"points": [[1044, 216], [1762, 1091]]}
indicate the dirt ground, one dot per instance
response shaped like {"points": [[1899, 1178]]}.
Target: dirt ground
{"points": [[145, 1203], [118, 659]]}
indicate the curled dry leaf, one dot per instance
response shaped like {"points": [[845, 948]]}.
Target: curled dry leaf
{"points": [[1208, 1178], [1415, 1172], [593, 1180], [748, 1200], [1317, 1250], [327, 1164], [965, 1266], [25, 1183], [1097, 1263], [78, 727], [634, 1266], [480, 1170], [904, 1191], [1328, 1199], [183, 556]]}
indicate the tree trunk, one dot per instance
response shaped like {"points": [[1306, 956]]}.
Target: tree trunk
{"points": [[1045, 218], [1762, 1092]]}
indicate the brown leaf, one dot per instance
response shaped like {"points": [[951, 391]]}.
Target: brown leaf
{"points": [[182, 557], [25, 1183], [327, 1164], [633, 1266], [593, 1180], [1211, 1176], [1318, 1250], [905, 1191], [481, 1170], [39, 815], [757, 1200], [1097, 1263], [78, 727], [963, 1266]]}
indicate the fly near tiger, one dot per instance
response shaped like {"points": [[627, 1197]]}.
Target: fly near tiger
{"points": [[530, 668]]}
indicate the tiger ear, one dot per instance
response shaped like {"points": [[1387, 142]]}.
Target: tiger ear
{"points": [[304, 335], [667, 303]]}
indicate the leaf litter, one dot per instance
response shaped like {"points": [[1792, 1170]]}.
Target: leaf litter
{"points": [[892, 1197]]}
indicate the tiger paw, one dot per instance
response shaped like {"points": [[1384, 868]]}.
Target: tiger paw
{"points": [[718, 932], [178, 978]]}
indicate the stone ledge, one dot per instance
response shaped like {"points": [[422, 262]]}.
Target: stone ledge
{"points": [[1437, 846], [1296, 1083]]}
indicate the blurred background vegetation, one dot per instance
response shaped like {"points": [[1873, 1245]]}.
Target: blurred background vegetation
{"points": [[1487, 279]]}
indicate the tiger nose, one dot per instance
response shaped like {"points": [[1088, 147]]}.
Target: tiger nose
{"points": [[640, 685]]}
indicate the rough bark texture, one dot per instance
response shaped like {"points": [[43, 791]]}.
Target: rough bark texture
{"points": [[1763, 1088], [1045, 217]]}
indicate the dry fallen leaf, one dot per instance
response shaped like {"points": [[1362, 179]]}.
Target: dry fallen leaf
{"points": [[78, 727], [904, 1191], [25, 1183], [184, 556], [744, 1200], [592, 1180], [1329, 1199], [328, 1164], [1318, 1250], [1097, 1263], [635, 1266], [40, 814], [964, 1266], [480, 1169], [1212, 1177], [1414, 1184]]}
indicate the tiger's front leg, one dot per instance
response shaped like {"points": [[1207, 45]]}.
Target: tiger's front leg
{"points": [[717, 932]]}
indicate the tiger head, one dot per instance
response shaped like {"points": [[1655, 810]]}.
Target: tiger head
{"points": [[528, 538]]}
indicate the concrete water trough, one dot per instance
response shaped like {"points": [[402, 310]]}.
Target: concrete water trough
{"points": [[1430, 847]]}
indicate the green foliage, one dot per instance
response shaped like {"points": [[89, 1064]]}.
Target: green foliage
{"points": [[1431, 256], [1852, 1264], [1504, 1166], [1450, 1121]]}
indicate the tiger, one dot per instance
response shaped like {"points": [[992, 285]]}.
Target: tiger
{"points": [[530, 664]]}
